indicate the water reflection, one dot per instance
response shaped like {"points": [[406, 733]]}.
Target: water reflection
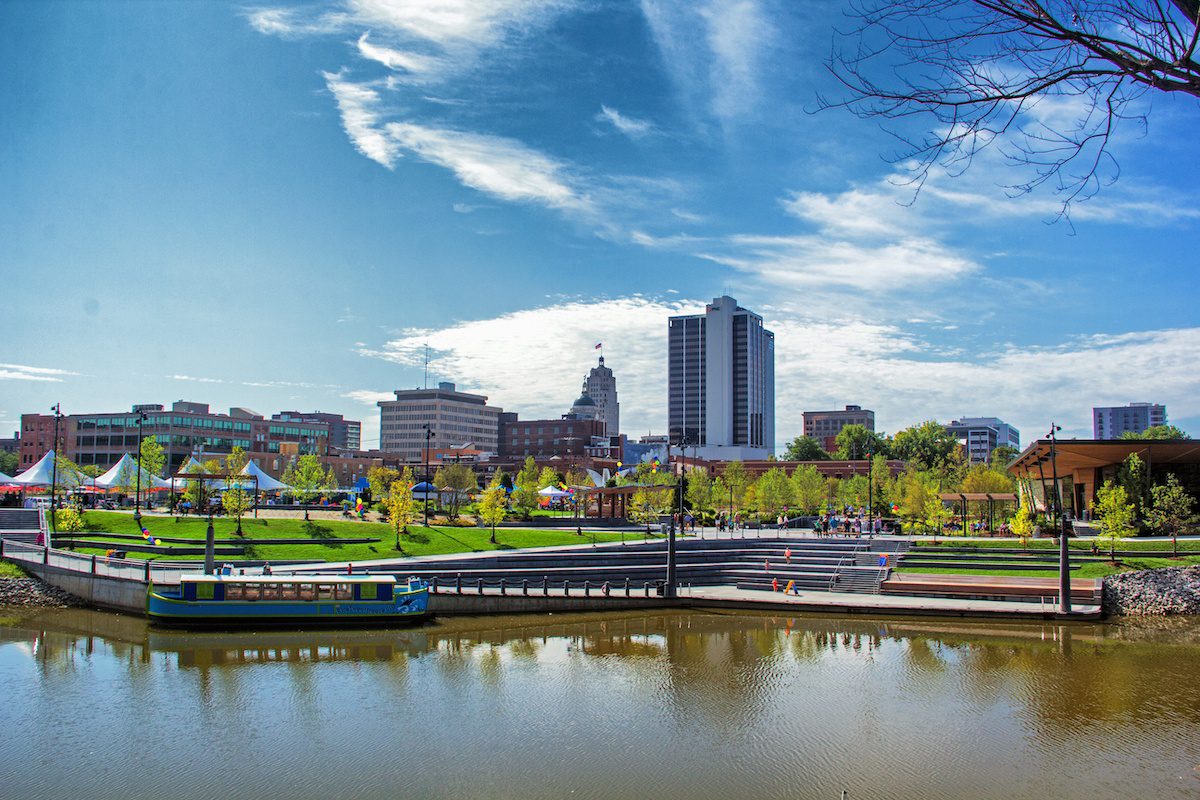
{"points": [[677, 704]]}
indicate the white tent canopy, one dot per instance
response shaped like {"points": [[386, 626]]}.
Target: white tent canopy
{"points": [[5, 478], [42, 474], [265, 482], [124, 474], [553, 492]]}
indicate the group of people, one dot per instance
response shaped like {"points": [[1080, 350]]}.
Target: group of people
{"points": [[828, 525]]}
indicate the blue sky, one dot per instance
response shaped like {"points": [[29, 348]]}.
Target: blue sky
{"points": [[279, 206]]}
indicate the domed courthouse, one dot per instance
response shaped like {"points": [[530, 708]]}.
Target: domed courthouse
{"points": [[599, 399]]}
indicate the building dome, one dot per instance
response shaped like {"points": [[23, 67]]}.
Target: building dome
{"points": [[585, 400]]}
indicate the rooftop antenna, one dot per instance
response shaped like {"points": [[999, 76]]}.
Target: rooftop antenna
{"points": [[426, 365]]}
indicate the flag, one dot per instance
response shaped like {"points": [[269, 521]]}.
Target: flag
{"points": [[598, 345]]}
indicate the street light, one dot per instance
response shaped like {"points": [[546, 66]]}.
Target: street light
{"points": [[1064, 555], [137, 500], [57, 409], [429, 434], [870, 493]]}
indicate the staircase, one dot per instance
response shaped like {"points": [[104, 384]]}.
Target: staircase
{"points": [[22, 524]]}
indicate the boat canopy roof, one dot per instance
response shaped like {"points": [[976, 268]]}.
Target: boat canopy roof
{"points": [[200, 577]]}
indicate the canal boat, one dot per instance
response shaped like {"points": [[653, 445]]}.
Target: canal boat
{"points": [[254, 600]]}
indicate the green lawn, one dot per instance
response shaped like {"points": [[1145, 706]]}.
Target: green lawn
{"points": [[325, 536], [1087, 570], [1189, 545], [10, 570]]}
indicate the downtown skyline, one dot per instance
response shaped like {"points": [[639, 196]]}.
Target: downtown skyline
{"points": [[281, 206]]}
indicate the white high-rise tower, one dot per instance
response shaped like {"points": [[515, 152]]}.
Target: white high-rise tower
{"points": [[601, 386]]}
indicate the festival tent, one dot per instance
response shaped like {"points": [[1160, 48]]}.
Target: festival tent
{"points": [[265, 482], [425, 491], [124, 474], [553, 493], [42, 474]]}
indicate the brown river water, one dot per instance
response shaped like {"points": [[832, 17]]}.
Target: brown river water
{"points": [[666, 705]]}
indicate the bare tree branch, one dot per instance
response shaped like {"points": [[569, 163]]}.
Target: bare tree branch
{"points": [[1047, 82]]}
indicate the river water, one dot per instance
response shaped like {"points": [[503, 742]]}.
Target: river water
{"points": [[664, 705]]}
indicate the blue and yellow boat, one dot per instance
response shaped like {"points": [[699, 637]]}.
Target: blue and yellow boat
{"points": [[246, 600]]}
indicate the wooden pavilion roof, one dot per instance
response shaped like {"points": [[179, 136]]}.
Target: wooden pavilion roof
{"points": [[1072, 455]]}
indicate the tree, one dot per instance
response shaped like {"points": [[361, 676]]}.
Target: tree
{"points": [[774, 491], [548, 477], [649, 503], [1115, 514], [330, 482], [380, 480], [400, 504], [805, 448], [699, 490], [9, 463], [1171, 508], [732, 485], [1167, 432], [306, 477], [195, 491], [808, 486], [236, 500], [1022, 524], [1134, 478], [918, 495], [460, 479], [981, 478], [525, 488], [855, 441], [151, 457], [852, 491], [928, 446], [493, 506], [984, 72], [1002, 456]]}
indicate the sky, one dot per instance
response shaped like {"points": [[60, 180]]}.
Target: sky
{"points": [[281, 206]]}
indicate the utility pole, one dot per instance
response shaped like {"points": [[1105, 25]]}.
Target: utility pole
{"points": [[137, 499], [1064, 555], [57, 409], [428, 435]]}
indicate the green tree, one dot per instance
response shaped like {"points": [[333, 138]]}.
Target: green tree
{"points": [[1002, 456], [525, 488], [918, 492], [400, 503], [805, 448], [937, 514], [330, 483], [1171, 508], [855, 441], [306, 476], [461, 481], [649, 503], [732, 485], [1115, 514], [928, 446], [1135, 479], [493, 506], [68, 520], [852, 491], [1022, 524], [198, 491], [809, 490], [548, 477], [151, 458], [1169, 432], [380, 480], [9, 463], [236, 500], [699, 490]]}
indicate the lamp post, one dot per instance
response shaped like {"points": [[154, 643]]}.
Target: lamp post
{"points": [[137, 498], [1064, 555], [428, 435], [57, 409], [870, 492]]}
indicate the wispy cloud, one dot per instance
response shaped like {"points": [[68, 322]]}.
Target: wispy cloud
{"points": [[495, 165], [22, 372], [398, 60], [827, 360], [368, 397], [630, 126], [358, 104], [195, 379]]}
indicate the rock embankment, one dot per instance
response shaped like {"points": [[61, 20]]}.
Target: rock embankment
{"points": [[1153, 593], [32, 592]]}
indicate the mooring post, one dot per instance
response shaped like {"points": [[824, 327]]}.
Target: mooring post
{"points": [[545, 586], [458, 583], [525, 587], [587, 588], [481, 585], [502, 587], [566, 588], [93, 562], [627, 587], [433, 585]]}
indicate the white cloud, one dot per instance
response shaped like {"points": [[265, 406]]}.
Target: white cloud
{"points": [[368, 397], [195, 379], [358, 104], [820, 362], [501, 167], [450, 22], [630, 126], [713, 51], [399, 60], [21, 372], [291, 22]]}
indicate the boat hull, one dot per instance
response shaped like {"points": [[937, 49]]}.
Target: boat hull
{"points": [[408, 608]]}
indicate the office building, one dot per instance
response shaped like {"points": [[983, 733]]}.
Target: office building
{"points": [[344, 434], [544, 438], [824, 426], [601, 387], [188, 429], [1110, 422], [721, 382], [982, 435], [454, 418]]}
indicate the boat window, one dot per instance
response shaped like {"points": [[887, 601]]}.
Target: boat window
{"points": [[367, 591], [288, 591], [308, 591], [235, 591], [252, 592], [270, 591], [325, 591], [204, 591], [345, 591]]}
